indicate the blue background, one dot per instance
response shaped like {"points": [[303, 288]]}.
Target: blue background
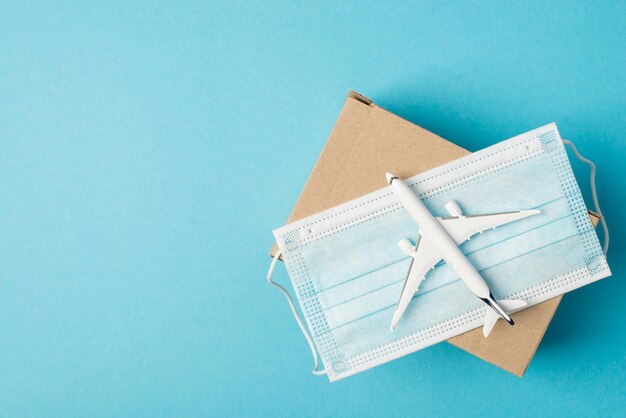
{"points": [[147, 150]]}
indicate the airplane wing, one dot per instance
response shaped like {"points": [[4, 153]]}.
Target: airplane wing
{"points": [[424, 256], [462, 228]]}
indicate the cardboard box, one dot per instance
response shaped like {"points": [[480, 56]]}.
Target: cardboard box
{"points": [[367, 141]]}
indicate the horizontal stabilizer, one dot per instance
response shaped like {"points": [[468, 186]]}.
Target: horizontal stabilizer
{"points": [[509, 305]]}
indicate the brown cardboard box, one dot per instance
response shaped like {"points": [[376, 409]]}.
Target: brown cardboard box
{"points": [[367, 141]]}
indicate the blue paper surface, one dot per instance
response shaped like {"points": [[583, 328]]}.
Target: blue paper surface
{"points": [[147, 150]]}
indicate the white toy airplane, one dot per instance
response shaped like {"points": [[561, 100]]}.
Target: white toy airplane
{"points": [[438, 240]]}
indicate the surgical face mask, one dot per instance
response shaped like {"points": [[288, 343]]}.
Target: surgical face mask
{"points": [[347, 270]]}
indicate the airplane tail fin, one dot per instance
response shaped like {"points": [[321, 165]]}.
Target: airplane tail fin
{"points": [[509, 305]]}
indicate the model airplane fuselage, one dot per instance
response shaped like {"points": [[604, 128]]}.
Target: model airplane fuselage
{"points": [[438, 240]]}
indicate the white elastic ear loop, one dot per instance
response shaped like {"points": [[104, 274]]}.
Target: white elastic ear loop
{"points": [[284, 291], [594, 194]]}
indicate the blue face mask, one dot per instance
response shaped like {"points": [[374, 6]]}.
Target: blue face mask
{"points": [[347, 270]]}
